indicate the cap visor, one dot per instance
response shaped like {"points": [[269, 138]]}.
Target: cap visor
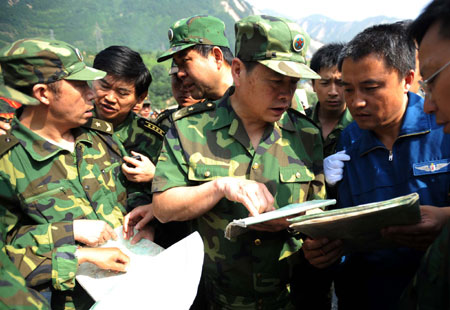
{"points": [[11, 93], [290, 68], [174, 49], [87, 74]]}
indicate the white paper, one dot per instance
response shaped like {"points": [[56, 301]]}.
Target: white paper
{"points": [[168, 280]]}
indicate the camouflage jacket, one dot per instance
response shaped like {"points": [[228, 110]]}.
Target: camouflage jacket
{"points": [[165, 120], [430, 287], [211, 143], [14, 293], [140, 135], [47, 187], [329, 144]]}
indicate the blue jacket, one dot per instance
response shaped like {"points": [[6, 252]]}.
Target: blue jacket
{"points": [[419, 162]]}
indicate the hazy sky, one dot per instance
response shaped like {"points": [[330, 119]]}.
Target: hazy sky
{"points": [[344, 10]]}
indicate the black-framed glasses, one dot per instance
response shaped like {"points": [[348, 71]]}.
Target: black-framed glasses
{"points": [[426, 84]]}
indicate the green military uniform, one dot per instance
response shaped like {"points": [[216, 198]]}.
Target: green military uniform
{"points": [[14, 293], [46, 187], [430, 287], [42, 183], [164, 119], [329, 144], [211, 142], [142, 136], [214, 144]]}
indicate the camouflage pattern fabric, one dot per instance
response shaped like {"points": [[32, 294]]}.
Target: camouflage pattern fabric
{"points": [[142, 136], [199, 29], [164, 119], [297, 104], [211, 143], [276, 43], [27, 62], [430, 287], [43, 184], [329, 144], [14, 293]]}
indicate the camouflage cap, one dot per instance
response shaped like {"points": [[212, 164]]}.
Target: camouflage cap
{"points": [[200, 29], [277, 43], [30, 61]]}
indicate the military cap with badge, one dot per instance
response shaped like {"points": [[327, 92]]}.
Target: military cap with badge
{"points": [[276, 43], [200, 29], [28, 62]]}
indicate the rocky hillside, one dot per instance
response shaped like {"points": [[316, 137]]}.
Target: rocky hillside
{"points": [[94, 25]]}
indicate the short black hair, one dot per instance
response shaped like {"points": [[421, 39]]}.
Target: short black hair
{"points": [[249, 65], [124, 63], [326, 57], [205, 50], [437, 11], [389, 41]]}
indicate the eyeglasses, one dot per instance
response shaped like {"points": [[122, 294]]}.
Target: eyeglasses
{"points": [[427, 83]]}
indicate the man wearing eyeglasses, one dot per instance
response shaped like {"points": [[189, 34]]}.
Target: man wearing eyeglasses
{"points": [[395, 149], [430, 286]]}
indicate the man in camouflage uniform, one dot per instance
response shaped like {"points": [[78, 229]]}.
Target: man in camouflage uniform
{"points": [[330, 113], [59, 170], [182, 96], [202, 60], [245, 153], [125, 85], [14, 293], [202, 66], [201, 52]]}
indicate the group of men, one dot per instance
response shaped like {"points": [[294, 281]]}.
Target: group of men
{"points": [[238, 145]]}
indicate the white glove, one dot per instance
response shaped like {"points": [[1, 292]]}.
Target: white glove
{"points": [[333, 167]]}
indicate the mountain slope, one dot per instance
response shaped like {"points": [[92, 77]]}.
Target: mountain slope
{"points": [[327, 30], [94, 25]]}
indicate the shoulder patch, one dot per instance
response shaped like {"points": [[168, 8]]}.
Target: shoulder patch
{"points": [[99, 125], [194, 109], [7, 142], [163, 115], [149, 126], [298, 114]]}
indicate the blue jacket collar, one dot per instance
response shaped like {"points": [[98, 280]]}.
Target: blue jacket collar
{"points": [[415, 122]]}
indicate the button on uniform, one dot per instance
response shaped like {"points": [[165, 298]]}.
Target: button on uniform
{"points": [[258, 242], [207, 174], [255, 166], [298, 175]]}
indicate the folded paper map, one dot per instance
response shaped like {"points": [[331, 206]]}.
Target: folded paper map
{"points": [[238, 227], [155, 278], [359, 227]]}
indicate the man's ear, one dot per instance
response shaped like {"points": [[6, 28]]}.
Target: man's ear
{"points": [[42, 93], [216, 52], [409, 79], [237, 71]]}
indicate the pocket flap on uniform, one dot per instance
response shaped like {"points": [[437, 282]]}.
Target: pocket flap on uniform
{"points": [[432, 167], [295, 174], [203, 172]]}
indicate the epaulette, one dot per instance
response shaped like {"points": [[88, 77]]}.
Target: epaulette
{"points": [[193, 109], [301, 115], [149, 126], [7, 142], [163, 115], [99, 125]]}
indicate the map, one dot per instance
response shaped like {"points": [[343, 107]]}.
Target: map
{"points": [[155, 279]]}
